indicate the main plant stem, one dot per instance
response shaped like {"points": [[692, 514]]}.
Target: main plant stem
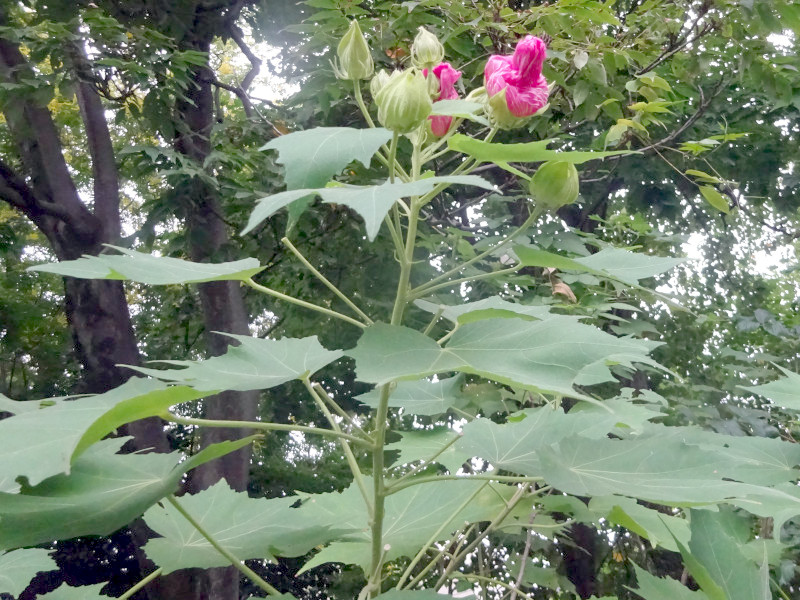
{"points": [[402, 296]]}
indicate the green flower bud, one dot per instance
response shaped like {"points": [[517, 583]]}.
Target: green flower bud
{"points": [[499, 115], [555, 184], [378, 82], [426, 51], [404, 102], [355, 59]]}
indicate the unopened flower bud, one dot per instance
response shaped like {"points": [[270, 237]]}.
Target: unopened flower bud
{"points": [[376, 85], [426, 51], [404, 102], [355, 59], [555, 184]]}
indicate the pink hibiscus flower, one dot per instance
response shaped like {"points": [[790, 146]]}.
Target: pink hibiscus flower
{"points": [[521, 76], [447, 76]]}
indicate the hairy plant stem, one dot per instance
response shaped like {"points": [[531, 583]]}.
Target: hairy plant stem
{"points": [[434, 320], [393, 156], [130, 593], [239, 564], [427, 290], [423, 289], [303, 303], [443, 552], [424, 464], [406, 258], [348, 452], [490, 580], [339, 294], [396, 486], [498, 520], [258, 425], [435, 536]]}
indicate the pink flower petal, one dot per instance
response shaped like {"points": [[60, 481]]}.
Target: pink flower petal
{"points": [[440, 124], [528, 59]]}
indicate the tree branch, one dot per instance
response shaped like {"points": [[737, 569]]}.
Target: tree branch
{"points": [[104, 166], [255, 62], [240, 93]]}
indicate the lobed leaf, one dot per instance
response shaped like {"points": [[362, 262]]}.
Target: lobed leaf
{"points": [[17, 568], [514, 446], [614, 263], [717, 538], [130, 265], [254, 364], [663, 588], [784, 392], [372, 202], [421, 397], [502, 154], [488, 308], [247, 527], [41, 443], [547, 356], [311, 157], [104, 492]]}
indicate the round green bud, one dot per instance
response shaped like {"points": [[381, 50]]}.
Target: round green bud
{"points": [[426, 51], [555, 184], [404, 102], [355, 59], [376, 85]]}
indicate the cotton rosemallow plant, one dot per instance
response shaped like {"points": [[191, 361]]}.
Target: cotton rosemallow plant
{"points": [[417, 523]]}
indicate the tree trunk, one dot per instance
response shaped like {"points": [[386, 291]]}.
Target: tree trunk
{"points": [[40, 186], [224, 310]]}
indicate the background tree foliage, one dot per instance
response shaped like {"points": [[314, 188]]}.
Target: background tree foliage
{"points": [[139, 124]]}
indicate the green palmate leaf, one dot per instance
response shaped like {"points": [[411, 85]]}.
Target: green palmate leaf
{"points": [[659, 468], [661, 529], [372, 202], [701, 575], [614, 263], [422, 397], [310, 158], [663, 588], [547, 356], [488, 308], [103, 492], [783, 392], [413, 515], [247, 527], [502, 154], [17, 568], [254, 364], [514, 446], [717, 538], [422, 445], [130, 265], [38, 444], [83, 592]]}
